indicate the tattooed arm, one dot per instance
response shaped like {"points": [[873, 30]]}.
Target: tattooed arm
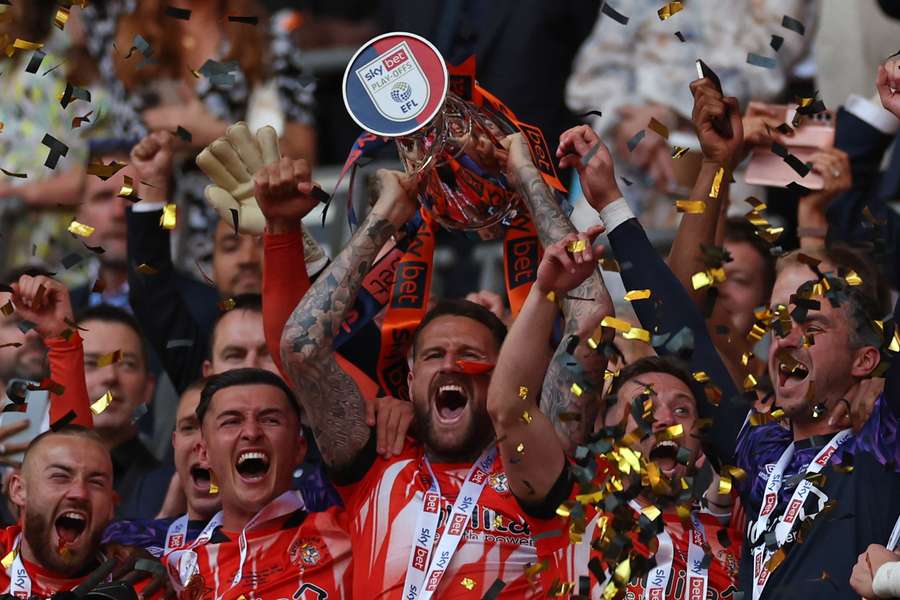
{"points": [[580, 306], [331, 398], [533, 452]]}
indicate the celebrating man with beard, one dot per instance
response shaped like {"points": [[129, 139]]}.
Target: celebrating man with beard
{"points": [[451, 481]]}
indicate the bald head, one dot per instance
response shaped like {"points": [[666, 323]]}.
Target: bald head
{"points": [[65, 492]]}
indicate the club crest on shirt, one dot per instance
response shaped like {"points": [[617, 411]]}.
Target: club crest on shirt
{"points": [[499, 483], [309, 554]]}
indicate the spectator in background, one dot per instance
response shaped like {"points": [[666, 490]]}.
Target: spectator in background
{"points": [[638, 71], [254, 75], [30, 108], [116, 363]]}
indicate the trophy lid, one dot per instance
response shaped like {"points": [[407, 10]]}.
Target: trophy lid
{"points": [[395, 84]]}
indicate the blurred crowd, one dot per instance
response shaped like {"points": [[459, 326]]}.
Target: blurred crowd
{"points": [[209, 391]]}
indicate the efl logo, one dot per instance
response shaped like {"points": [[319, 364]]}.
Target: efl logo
{"points": [[409, 287], [696, 538], [431, 502], [395, 60], [478, 476], [434, 580], [176, 540], [696, 589], [791, 513], [419, 558], [457, 525], [521, 260]]}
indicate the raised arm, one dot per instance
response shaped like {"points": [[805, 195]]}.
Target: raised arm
{"points": [[701, 228], [158, 305], [553, 225], [330, 396], [45, 302], [671, 308], [533, 452]]}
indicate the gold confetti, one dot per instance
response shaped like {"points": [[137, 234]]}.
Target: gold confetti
{"points": [[167, 220], [617, 324], [80, 229], [745, 358], [127, 190], [523, 392], [717, 183], [853, 279], [520, 448], [146, 269], [608, 264], [551, 296], [535, 568], [26, 45], [750, 382], [636, 333], [651, 512], [468, 583], [724, 484], [894, 346], [637, 295], [659, 128], [102, 403], [679, 151], [622, 574], [576, 246], [526, 417], [104, 172], [776, 560], [104, 360], [691, 207], [227, 304], [701, 280], [8, 559], [62, 17], [668, 9], [576, 389], [7, 309], [674, 431], [701, 376]]}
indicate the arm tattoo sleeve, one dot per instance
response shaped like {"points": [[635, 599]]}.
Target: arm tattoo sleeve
{"points": [[556, 395], [330, 397]]}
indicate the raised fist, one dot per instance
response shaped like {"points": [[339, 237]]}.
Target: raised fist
{"points": [[45, 302]]}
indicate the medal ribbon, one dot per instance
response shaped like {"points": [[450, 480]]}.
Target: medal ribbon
{"points": [[426, 568]]}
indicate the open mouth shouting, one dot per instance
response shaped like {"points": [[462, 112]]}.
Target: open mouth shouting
{"points": [[69, 525], [450, 401], [252, 465], [665, 454], [791, 373], [200, 478]]}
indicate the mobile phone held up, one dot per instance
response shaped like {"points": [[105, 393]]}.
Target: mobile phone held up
{"points": [[722, 125]]}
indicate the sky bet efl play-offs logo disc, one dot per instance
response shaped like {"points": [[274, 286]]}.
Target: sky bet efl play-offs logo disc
{"points": [[395, 84]]}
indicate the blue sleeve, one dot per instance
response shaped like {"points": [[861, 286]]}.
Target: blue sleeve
{"points": [[670, 313]]}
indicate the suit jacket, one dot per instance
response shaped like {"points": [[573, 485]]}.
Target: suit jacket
{"points": [[524, 49], [175, 312], [847, 222]]}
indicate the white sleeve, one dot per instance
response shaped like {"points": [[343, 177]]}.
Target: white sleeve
{"points": [[876, 116], [887, 580]]}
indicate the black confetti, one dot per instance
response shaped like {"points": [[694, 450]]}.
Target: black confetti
{"points": [[591, 153], [178, 13], [181, 343], [25, 326], [613, 14], [595, 113], [234, 219], [35, 63], [249, 20], [72, 259], [758, 60], [184, 134], [64, 420], [57, 150], [493, 592], [94, 249], [776, 42], [626, 181], [636, 139], [680, 37], [11, 174], [320, 195], [793, 24]]}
